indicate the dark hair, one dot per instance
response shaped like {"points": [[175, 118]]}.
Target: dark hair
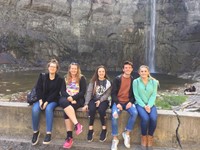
{"points": [[95, 75], [128, 63]]}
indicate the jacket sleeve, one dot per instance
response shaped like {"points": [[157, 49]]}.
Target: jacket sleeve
{"points": [[88, 96], [114, 91], [82, 89], [63, 89], [152, 98], [39, 87], [136, 94]]}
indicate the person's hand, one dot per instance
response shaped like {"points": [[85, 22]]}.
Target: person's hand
{"points": [[128, 105], [73, 102], [85, 108], [70, 99], [147, 108], [45, 105], [40, 103], [119, 106], [97, 103]]}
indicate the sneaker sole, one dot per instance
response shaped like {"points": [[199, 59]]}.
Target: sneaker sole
{"points": [[46, 142], [105, 138], [37, 139], [69, 146]]}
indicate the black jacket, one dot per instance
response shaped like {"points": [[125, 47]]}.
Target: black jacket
{"points": [[53, 88], [115, 89]]}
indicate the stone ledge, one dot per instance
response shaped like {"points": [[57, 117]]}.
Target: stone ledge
{"points": [[16, 121]]}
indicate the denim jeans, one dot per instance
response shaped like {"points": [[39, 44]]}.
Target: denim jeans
{"points": [[148, 120], [49, 115], [115, 115]]}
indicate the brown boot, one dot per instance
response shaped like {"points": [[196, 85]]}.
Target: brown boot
{"points": [[144, 140], [150, 141]]}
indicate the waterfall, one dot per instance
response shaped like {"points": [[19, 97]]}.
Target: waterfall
{"points": [[150, 48]]}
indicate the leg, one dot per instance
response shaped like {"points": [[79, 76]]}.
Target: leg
{"points": [[35, 122], [92, 111], [36, 116], [115, 116], [102, 113], [131, 122], [153, 120], [152, 125], [144, 119], [49, 116], [132, 118]]}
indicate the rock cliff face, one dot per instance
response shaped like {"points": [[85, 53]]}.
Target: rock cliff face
{"points": [[94, 32]]}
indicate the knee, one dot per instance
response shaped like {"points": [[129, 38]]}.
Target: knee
{"points": [[102, 112], [145, 119], [35, 110], [48, 109], [63, 102]]}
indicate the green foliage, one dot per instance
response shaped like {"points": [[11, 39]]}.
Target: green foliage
{"points": [[166, 102]]}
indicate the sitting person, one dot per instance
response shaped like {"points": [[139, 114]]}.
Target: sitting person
{"points": [[47, 100], [96, 98], [74, 99], [190, 90], [123, 99]]}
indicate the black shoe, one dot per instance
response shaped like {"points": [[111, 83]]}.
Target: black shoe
{"points": [[103, 135], [90, 135], [47, 139], [35, 138]]}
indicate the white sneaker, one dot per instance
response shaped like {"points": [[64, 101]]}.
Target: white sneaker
{"points": [[126, 140], [114, 144]]}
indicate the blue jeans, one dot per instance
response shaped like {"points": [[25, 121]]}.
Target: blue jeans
{"points": [[148, 120], [49, 115], [115, 115]]}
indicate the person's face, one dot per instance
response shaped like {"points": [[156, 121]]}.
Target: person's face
{"points": [[52, 68], [101, 73], [127, 69], [143, 72], [73, 70]]}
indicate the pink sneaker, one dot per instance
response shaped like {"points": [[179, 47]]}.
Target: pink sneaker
{"points": [[68, 143], [78, 128]]}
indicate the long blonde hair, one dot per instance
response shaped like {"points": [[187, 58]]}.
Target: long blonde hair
{"points": [[68, 76]]}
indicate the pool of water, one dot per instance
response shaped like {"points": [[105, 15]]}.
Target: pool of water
{"points": [[22, 81]]}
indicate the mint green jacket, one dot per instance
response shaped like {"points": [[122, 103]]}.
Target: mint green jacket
{"points": [[145, 94]]}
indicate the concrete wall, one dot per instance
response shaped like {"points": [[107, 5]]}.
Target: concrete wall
{"points": [[15, 120]]}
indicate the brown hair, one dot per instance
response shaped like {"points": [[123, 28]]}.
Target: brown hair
{"points": [[68, 76], [53, 61], [95, 75], [128, 63]]}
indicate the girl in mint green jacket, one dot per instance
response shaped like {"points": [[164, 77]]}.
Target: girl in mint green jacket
{"points": [[145, 91]]}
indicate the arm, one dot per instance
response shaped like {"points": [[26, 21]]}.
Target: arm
{"points": [[114, 91], [39, 87], [152, 99], [82, 89], [136, 93], [88, 96]]}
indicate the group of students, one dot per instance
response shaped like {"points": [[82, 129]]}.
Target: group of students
{"points": [[136, 96]]}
